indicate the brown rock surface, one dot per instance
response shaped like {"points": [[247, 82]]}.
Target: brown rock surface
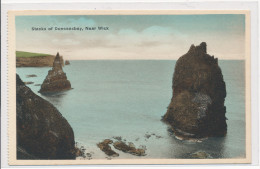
{"points": [[56, 80], [105, 147], [61, 60], [42, 132], [129, 148], [197, 106]]}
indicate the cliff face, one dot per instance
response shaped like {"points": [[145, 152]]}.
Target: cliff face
{"points": [[42, 132], [197, 106], [56, 80], [37, 61]]}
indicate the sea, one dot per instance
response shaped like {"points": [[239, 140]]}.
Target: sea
{"points": [[126, 99]]}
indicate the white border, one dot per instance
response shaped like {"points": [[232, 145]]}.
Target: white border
{"points": [[141, 6]]}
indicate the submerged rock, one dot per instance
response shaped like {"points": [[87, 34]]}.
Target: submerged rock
{"points": [[27, 83], [130, 148], [42, 132], [56, 80], [105, 147], [197, 106], [33, 75]]}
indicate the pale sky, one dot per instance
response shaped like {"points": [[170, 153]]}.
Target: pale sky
{"points": [[133, 36]]}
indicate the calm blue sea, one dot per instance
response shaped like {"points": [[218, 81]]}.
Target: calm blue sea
{"points": [[128, 99]]}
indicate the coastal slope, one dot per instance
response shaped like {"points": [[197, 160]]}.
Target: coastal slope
{"points": [[42, 132], [197, 106]]}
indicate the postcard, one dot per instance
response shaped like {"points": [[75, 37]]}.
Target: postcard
{"points": [[129, 87]]}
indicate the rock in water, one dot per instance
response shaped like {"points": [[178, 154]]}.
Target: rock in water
{"points": [[197, 106], [33, 75], [56, 80], [106, 148], [130, 148], [67, 62], [42, 132]]}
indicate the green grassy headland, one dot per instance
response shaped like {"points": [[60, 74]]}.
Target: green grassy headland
{"points": [[29, 54]]}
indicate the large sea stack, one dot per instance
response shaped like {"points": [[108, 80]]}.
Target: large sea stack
{"points": [[56, 79], [42, 132], [197, 106]]}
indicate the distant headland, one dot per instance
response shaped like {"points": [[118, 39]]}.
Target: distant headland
{"points": [[29, 59]]}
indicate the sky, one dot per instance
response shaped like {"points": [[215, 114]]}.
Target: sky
{"points": [[132, 36]]}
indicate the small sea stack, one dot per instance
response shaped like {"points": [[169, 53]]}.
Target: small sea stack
{"points": [[56, 80], [197, 106], [67, 62]]}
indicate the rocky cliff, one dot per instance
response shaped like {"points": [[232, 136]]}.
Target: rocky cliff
{"points": [[56, 80], [42, 132], [197, 106]]}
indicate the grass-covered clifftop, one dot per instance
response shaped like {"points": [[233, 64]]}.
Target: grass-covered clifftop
{"points": [[29, 54]]}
